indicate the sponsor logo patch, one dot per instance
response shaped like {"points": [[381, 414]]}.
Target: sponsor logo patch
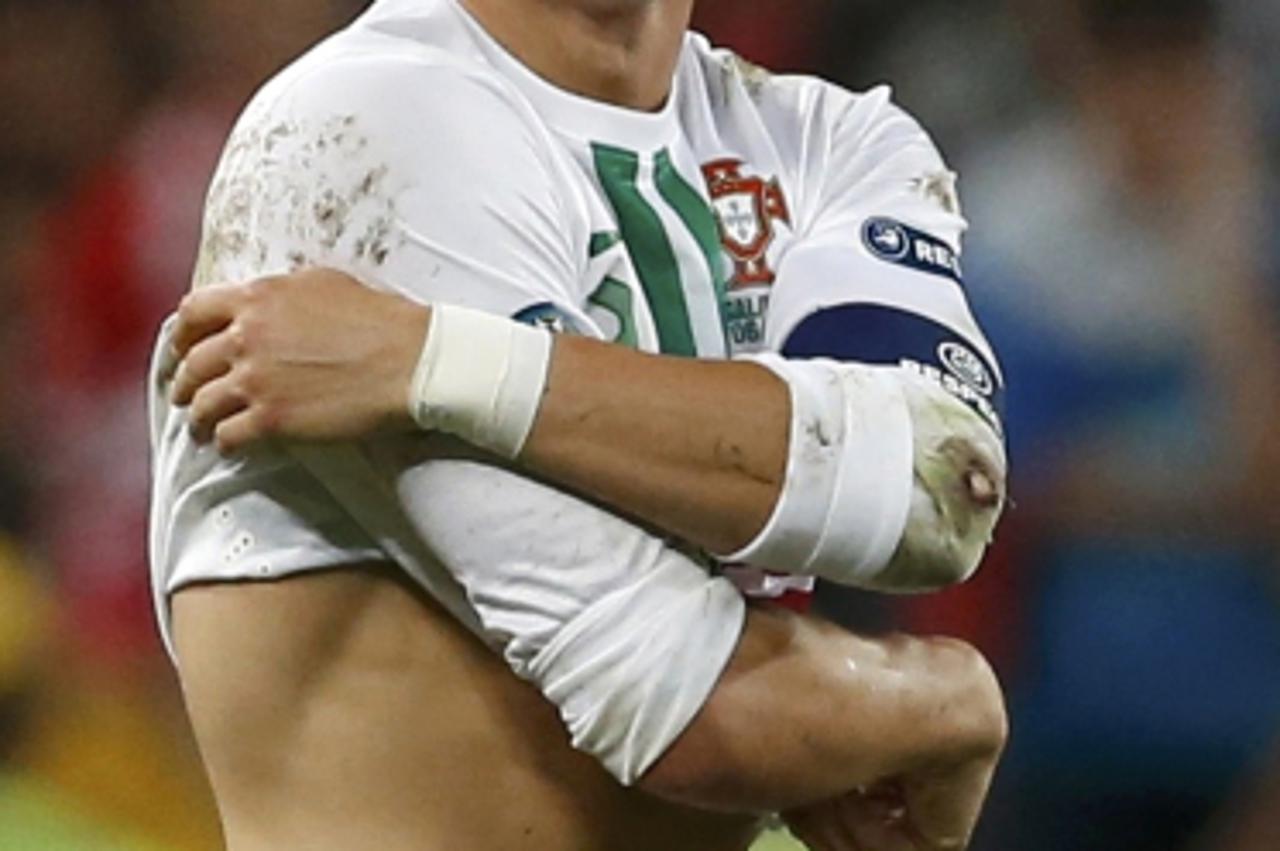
{"points": [[892, 241], [879, 334], [962, 390], [962, 362], [547, 315]]}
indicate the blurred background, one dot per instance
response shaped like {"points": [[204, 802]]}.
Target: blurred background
{"points": [[1120, 164]]}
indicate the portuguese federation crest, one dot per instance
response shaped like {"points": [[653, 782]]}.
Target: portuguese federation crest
{"points": [[746, 208]]}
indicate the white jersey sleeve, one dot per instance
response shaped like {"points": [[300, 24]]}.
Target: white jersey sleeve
{"points": [[385, 164], [871, 277], [424, 179], [419, 175], [874, 274]]}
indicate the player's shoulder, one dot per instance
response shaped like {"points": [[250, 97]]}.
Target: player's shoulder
{"points": [[799, 110], [401, 106], [372, 130], [395, 79]]}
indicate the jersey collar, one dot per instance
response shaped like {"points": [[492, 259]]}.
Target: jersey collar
{"points": [[575, 115]]}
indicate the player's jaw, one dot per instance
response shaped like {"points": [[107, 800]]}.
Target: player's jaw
{"points": [[608, 7], [622, 52]]}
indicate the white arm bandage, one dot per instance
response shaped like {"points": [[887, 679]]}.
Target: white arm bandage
{"points": [[953, 514], [480, 377], [877, 490], [844, 505]]}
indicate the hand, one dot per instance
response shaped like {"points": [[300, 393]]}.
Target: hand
{"points": [[944, 804], [934, 810], [312, 356], [863, 820]]}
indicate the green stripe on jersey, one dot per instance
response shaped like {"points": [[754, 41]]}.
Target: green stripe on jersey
{"points": [[697, 217], [602, 241], [650, 249], [615, 297]]}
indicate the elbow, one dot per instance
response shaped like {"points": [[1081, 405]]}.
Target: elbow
{"points": [[944, 542], [701, 778], [976, 726], [934, 553], [958, 493], [984, 728], [893, 484]]}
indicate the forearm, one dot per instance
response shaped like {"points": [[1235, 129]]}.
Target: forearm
{"points": [[848, 471], [695, 448], [807, 712], [855, 473], [803, 711], [945, 804], [799, 467]]}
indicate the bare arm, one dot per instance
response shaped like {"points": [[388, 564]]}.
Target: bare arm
{"points": [[696, 448], [705, 451], [925, 715]]}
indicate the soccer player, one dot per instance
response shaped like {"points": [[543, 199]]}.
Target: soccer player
{"points": [[522, 166]]}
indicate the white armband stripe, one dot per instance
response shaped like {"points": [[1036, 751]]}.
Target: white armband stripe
{"points": [[868, 511], [816, 441], [844, 504]]}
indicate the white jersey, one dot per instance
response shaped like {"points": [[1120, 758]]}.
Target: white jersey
{"points": [[751, 212]]}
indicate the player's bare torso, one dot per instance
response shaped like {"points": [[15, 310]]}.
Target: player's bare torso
{"points": [[344, 710]]}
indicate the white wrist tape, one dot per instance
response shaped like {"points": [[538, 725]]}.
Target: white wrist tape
{"points": [[844, 505], [480, 377]]}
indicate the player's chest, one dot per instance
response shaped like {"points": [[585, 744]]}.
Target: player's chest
{"points": [[684, 248]]}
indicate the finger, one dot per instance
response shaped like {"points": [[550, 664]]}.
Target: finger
{"points": [[236, 433], [813, 838], [803, 826], [820, 832], [212, 404], [888, 801], [882, 837], [846, 829], [205, 311], [875, 820], [209, 359]]}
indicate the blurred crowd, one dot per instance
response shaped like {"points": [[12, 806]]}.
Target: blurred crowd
{"points": [[1120, 163]]}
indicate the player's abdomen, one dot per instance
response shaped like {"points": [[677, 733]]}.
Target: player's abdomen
{"points": [[341, 710]]}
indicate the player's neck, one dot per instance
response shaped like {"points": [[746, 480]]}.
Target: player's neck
{"points": [[622, 52]]}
